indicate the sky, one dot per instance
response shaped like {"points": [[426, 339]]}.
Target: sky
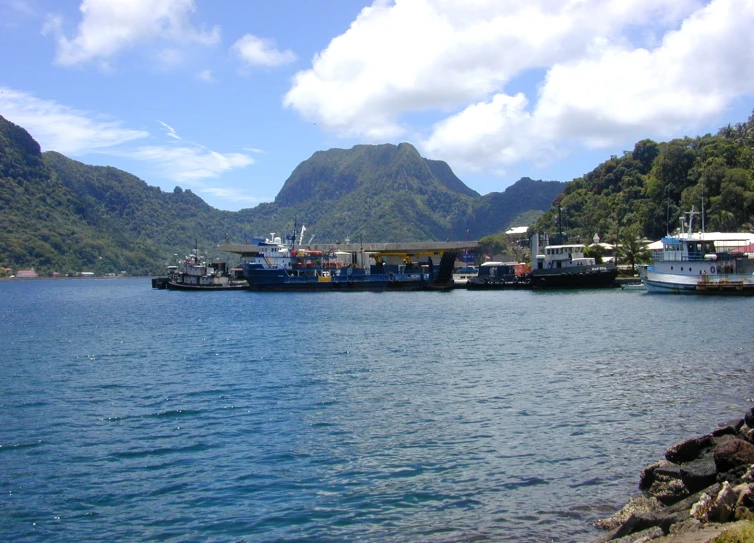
{"points": [[226, 98]]}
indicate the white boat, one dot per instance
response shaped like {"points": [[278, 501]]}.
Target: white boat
{"points": [[702, 263], [462, 275]]}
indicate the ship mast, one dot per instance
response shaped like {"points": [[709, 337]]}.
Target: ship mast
{"points": [[691, 219]]}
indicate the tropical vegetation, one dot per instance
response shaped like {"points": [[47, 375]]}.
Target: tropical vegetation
{"points": [[652, 189], [60, 215]]}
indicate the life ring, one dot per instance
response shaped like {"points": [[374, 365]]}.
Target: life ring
{"points": [[349, 271], [712, 269]]}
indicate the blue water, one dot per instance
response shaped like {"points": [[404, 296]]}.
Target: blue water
{"points": [[131, 414]]}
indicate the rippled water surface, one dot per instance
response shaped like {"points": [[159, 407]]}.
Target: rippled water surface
{"points": [[130, 414]]}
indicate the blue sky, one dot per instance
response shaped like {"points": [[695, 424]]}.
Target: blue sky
{"points": [[227, 97]]}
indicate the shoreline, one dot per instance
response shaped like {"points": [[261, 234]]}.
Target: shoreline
{"points": [[703, 487]]}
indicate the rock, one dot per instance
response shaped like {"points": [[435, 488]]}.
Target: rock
{"points": [[667, 485], [635, 504], [699, 474], [701, 508], [732, 454], [749, 418], [647, 477], [745, 495], [732, 427], [688, 450], [641, 537], [724, 506], [639, 522], [685, 527]]}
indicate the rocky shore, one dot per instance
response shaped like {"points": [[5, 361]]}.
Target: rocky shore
{"points": [[702, 486]]}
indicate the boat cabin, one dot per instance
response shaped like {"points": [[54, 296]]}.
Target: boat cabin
{"points": [[678, 249], [506, 272], [563, 256]]}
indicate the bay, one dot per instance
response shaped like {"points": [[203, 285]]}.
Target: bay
{"points": [[130, 414]]}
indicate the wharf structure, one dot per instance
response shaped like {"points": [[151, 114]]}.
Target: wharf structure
{"points": [[442, 253]]}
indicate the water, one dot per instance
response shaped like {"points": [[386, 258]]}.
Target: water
{"points": [[129, 414]]}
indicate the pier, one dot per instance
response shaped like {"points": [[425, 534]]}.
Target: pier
{"points": [[447, 251]]}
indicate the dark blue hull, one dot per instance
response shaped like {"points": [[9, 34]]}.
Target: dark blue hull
{"points": [[261, 279]]}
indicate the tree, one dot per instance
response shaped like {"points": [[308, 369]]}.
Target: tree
{"points": [[632, 248]]}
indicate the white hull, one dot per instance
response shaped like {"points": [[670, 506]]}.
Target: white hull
{"points": [[677, 283]]}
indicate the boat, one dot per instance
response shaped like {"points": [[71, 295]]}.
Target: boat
{"points": [[462, 275], [277, 265], [633, 286], [498, 275], [702, 263], [563, 266], [198, 275]]}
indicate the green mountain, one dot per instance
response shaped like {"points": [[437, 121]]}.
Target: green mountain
{"points": [[62, 215], [647, 191], [390, 193]]}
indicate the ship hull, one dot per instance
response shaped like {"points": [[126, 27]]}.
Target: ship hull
{"points": [[660, 282], [278, 280], [582, 277]]}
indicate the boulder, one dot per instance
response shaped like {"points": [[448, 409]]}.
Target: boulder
{"points": [[688, 450], [699, 474], [641, 521], [745, 495], [647, 477], [641, 537], [724, 506], [635, 504], [732, 427], [749, 418], [667, 484], [732, 454]]}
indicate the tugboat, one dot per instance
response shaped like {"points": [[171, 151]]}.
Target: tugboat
{"points": [[200, 275]]}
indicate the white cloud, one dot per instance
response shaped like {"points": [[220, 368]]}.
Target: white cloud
{"points": [[170, 130], [619, 93], [61, 128], [233, 195], [108, 27], [206, 76], [491, 135], [75, 133], [612, 70], [255, 51], [187, 162]]}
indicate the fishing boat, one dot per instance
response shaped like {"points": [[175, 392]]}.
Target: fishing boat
{"points": [[702, 263], [198, 275], [277, 265]]}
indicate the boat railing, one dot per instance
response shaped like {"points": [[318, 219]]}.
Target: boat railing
{"points": [[695, 257]]}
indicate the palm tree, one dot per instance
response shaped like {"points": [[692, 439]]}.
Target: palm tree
{"points": [[632, 249]]}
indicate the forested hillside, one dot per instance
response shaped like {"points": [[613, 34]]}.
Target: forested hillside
{"points": [[647, 191], [61, 215]]}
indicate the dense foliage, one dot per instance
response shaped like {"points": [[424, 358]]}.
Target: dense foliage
{"points": [[61, 215], [650, 190]]}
